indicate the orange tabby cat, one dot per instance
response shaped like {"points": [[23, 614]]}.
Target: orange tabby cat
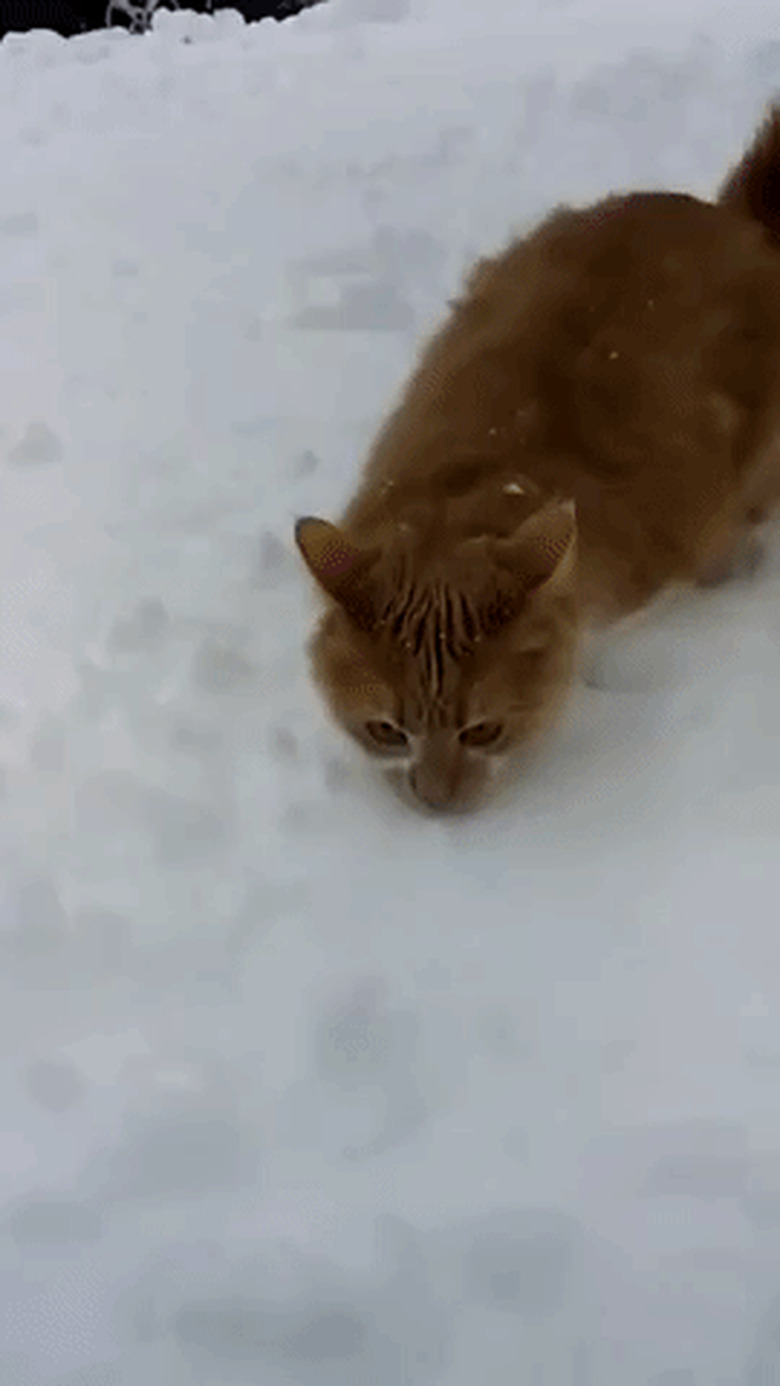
{"points": [[598, 418]]}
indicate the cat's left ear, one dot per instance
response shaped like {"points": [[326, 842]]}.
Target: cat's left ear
{"points": [[542, 553], [339, 567]]}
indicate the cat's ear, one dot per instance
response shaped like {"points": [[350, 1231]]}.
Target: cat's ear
{"points": [[540, 556], [341, 569], [543, 551]]}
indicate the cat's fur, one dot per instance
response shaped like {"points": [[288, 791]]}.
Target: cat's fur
{"points": [[598, 418]]}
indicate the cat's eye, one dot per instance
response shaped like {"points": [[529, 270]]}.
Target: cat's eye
{"points": [[481, 734], [387, 734]]}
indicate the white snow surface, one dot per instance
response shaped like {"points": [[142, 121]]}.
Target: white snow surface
{"points": [[297, 1087]]}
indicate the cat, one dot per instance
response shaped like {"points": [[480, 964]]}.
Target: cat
{"points": [[597, 420]]}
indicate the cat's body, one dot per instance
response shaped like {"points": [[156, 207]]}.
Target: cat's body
{"points": [[599, 418]]}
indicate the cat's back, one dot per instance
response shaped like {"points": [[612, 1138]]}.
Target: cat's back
{"points": [[604, 334], [626, 231], [663, 327], [670, 272], [670, 253]]}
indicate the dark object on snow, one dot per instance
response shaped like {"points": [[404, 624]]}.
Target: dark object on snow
{"points": [[62, 16], [68, 17]]}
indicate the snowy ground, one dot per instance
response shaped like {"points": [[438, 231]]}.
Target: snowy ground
{"points": [[296, 1087]]}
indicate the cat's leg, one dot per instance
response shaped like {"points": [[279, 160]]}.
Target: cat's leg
{"points": [[730, 546], [591, 661], [740, 557], [760, 494], [735, 547]]}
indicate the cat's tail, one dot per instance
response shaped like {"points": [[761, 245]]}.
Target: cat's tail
{"points": [[753, 185]]}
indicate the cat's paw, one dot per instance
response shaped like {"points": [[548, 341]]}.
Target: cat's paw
{"points": [[752, 559], [742, 563], [593, 674]]}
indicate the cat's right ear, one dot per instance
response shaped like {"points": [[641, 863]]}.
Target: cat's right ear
{"points": [[339, 567]]}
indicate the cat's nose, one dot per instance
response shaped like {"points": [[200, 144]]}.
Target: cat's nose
{"points": [[432, 791]]}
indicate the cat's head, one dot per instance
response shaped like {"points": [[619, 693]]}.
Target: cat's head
{"points": [[443, 668]]}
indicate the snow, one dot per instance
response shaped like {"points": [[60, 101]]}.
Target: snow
{"points": [[297, 1087]]}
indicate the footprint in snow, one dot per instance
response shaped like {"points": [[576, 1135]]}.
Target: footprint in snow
{"points": [[19, 224], [39, 446]]}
